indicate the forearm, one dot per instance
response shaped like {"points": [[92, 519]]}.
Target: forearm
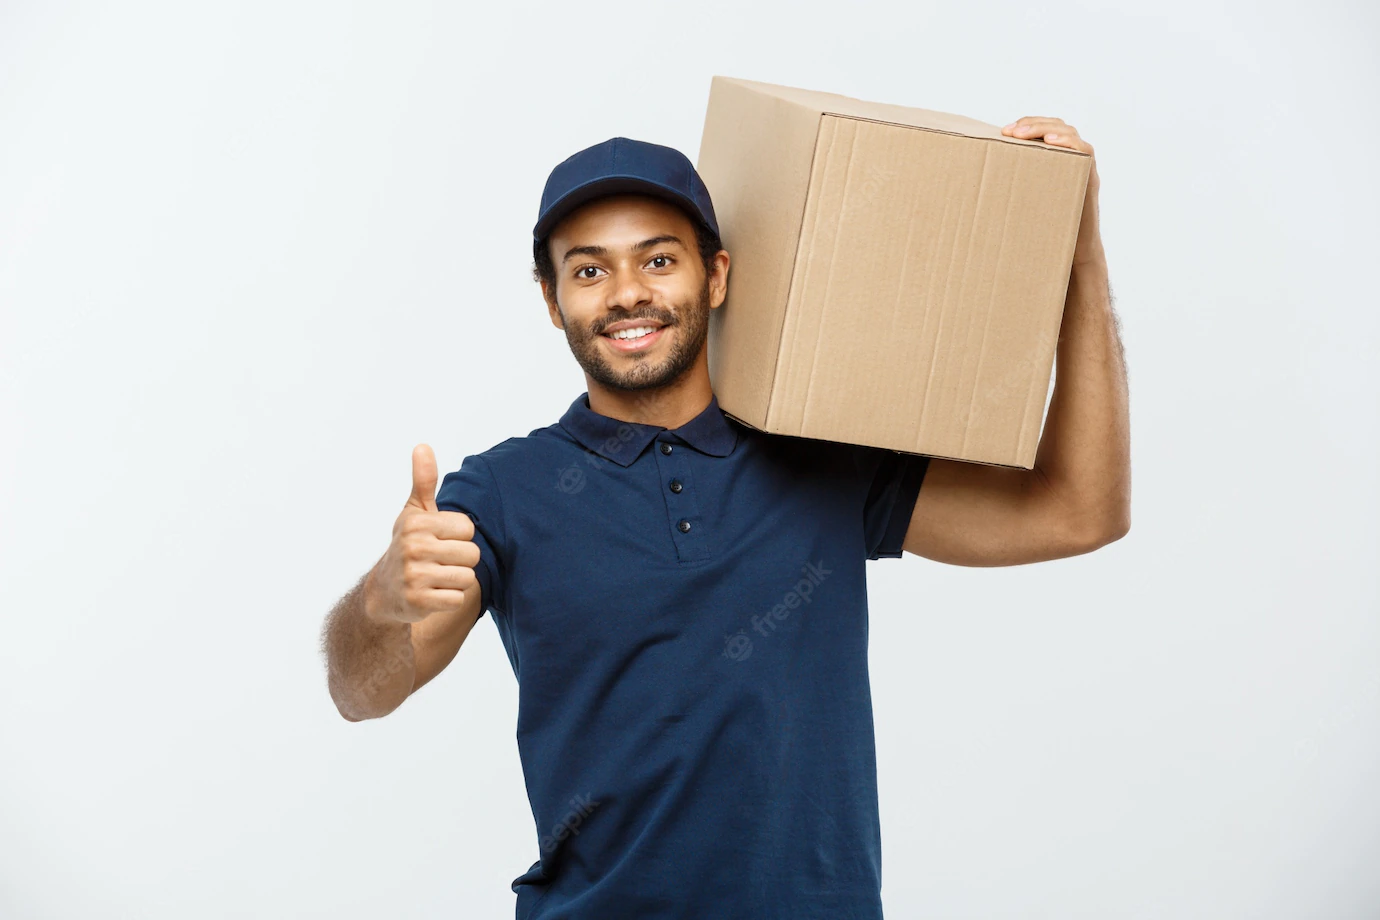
{"points": [[1085, 453], [370, 662]]}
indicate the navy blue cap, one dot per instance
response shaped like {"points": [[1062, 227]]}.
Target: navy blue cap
{"points": [[617, 165]]}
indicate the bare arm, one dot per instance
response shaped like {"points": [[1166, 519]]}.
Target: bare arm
{"points": [[1078, 496], [374, 664], [370, 665], [405, 620]]}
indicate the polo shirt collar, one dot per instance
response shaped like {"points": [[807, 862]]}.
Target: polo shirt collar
{"points": [[623, 442]]}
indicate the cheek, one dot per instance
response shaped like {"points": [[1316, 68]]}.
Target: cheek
{"points": [[578, 309], [678, 291]]}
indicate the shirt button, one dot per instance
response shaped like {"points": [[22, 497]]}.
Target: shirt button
{"points": [[684, 526], [676, 486], [665, 448]]}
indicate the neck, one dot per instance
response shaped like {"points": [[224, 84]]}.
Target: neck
{"points": [[668, 407]]}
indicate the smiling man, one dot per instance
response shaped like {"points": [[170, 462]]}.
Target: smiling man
{"points": [[683, 599]]}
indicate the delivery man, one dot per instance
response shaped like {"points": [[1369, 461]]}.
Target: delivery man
{"points": [[683, 599]]}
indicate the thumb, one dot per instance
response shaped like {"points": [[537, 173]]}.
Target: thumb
{"points": [[423, 478]]}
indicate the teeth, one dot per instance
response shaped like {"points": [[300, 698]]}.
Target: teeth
{"points": [[634, 333]]}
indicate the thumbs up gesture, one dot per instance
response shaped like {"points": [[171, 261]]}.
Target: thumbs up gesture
{"points": [[429, 565]]}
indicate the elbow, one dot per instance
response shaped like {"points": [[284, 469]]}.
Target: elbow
{"points": [[1095, 530], [356, 714], [1114, 529], [348, 714], [1118, 517], [354, 706]]}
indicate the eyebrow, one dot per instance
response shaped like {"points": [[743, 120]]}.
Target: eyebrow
{"points": [[603, 250]]}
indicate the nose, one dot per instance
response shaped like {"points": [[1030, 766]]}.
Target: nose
{"points": [[628, 291]]}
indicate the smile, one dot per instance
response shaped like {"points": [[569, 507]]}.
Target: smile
{"points": [[634, 338]]}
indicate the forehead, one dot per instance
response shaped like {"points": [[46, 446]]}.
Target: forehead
{"points": [[622, 219]]}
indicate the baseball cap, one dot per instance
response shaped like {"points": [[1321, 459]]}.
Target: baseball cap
{"points": [[619, 165]]}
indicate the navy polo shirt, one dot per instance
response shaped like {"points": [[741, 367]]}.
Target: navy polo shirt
{"points": [[686, 614]]}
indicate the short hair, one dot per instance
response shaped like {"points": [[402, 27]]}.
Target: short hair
{"points": [[543, 269]]}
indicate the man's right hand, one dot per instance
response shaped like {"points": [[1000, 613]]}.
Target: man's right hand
{"points": [[430, 563]]}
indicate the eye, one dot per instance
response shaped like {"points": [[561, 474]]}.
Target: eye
{"points": [[580, 272], [661, 261]]}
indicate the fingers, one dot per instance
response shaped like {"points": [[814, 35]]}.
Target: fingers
{"points": [[423, 547], [1053, 131], [426, 601], [434, 588], [429, 576], [1027, 126], [443, 525], [1045, 130], [423, 478], [436, 574]]}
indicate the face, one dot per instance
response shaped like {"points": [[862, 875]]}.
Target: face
{"points": [[632, 293]]}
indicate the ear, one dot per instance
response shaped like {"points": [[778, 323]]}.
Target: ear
{"points": [[718, 279], [548, 293]]}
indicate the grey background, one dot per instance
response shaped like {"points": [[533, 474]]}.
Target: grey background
{"points": [[250, 255]]}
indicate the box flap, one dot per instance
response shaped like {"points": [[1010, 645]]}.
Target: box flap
{"points": [[834, 104], [931, 271]]}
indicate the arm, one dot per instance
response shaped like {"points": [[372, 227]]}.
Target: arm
{"points": [[1078, 496], [407, 618], [375, 663]]}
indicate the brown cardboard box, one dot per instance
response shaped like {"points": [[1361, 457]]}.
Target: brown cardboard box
{"points": [[898, 275]]}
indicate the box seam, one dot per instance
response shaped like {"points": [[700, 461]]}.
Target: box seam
{"points": [[795, 275]]}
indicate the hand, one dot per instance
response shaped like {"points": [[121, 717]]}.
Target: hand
{"points": [[1058, 133], [430, 563]]}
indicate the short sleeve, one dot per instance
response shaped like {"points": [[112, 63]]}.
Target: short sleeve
{"points": [[895, 480], [473, 490]]}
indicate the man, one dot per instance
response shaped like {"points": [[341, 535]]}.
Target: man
{"points": [[682, 598]]}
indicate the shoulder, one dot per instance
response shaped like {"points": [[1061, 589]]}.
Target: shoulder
{"points": [[494, 482], [517, 457], [800, 454]]}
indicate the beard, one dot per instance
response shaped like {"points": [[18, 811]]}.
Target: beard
{"points": [[692, 331]]}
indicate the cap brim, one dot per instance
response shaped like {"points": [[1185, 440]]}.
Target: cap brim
{"points": [[611, 185]]}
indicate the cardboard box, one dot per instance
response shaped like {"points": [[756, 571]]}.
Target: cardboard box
{"points": [[898, 275]]}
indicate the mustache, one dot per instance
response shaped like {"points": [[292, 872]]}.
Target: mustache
{"points": [[663, 317]]}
